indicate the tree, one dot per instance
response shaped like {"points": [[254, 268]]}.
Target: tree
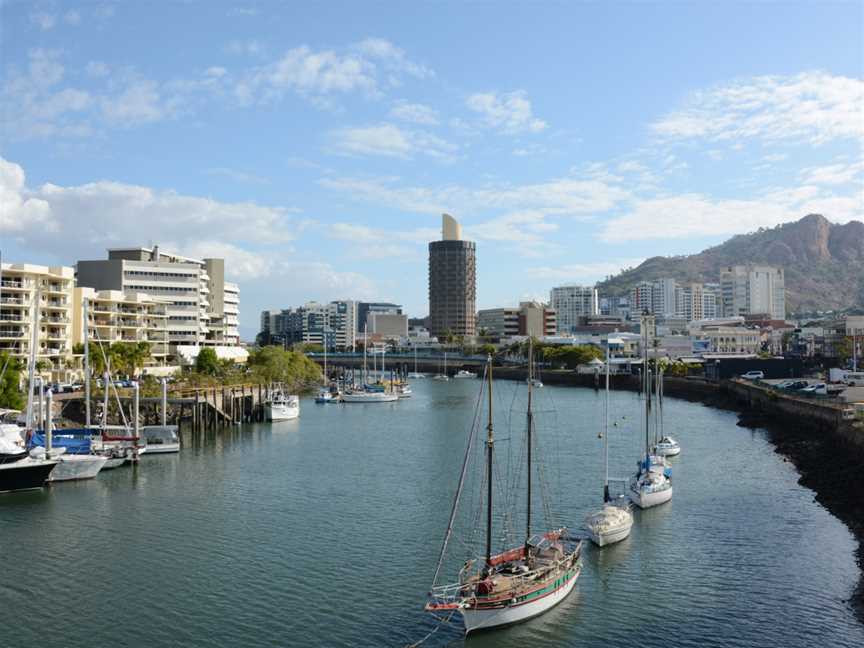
{"points": [[207, 362], [10, 395], [487, 349], [274, 364], [844, 350]]}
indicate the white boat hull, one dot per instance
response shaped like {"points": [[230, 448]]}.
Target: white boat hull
{"points": [[667, 452], [160, 448], [486, 619], [608, 526], [645, 500], [609, 536], [72, 467], [282, 412], [369, 397]]}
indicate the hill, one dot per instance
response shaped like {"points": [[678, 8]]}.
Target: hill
{"points": [[824, 263]]}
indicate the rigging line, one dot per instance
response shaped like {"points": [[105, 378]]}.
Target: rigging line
{"points": [[106, 386], [441, 622], [449, 531]]}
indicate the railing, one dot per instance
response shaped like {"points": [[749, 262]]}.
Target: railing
{"points": [[55, 320], [10, 318], [11, 334], [12, 283], [20, 301]]}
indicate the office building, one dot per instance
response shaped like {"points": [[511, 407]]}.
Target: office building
{"points": [[333, 325], [571, 303], [531, 318], [452, 283], [46, 294], [750, 289], [364, 308], [387, 325]]}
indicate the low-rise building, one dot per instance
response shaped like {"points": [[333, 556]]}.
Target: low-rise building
{"points": [[115, 316], [531, 319]]}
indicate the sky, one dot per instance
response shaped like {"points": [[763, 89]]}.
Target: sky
{"points": [[315, 147]]}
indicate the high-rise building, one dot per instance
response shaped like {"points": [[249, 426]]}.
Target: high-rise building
{"points": [[204, 309], [333, 325], [364, 308], [642, 298], [46, 293], [452, 283], [387, 325], [712, 299], [750, 289], [571, 303], [690, 299], [663, 297]]}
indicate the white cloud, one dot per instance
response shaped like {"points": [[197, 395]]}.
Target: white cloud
{"points": [[391, 141], [415, 113], [43, 20], [246, 47], [516, 227], [72, 17], [96, 69], [308, 73], [84, 219], [140, 102], [242, 177], [835, 174], [583, 272], [811, 107], [693, 215], [562, 196], [392, 57], [509, 112]]}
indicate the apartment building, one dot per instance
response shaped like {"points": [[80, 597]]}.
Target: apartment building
{"points": [[115, 316], [748, 289], [452, 283], [333, 324], [43, 294], [203, 309], [571, 303]]}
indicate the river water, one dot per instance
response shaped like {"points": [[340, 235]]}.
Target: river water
{"points": [[325, 532]]}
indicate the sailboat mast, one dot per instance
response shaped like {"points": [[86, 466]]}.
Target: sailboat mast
{"points": [[86, 363], [530, 437], [646, 380], [490, 443], [606, 430], [365, 344]]}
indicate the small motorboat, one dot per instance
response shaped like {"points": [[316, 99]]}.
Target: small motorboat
{"points": [[462, 373], [281, 407], [667, 447]]}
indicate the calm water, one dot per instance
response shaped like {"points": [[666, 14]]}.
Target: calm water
{"points": [[325, 532]]}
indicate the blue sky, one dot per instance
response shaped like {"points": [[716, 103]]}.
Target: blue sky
{"points": [[316, 147]]}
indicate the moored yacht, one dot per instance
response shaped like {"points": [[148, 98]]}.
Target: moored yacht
{"points": [[613, 522], [19, 471], [281, 407], [463, 373], [667, 447]]}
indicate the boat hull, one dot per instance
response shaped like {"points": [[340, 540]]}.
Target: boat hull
{"points": [[485, 619], [24, 475], [282, 412], [609, 536], [646, 500], [74, 467], [370, 397], [161, 448], [667, 452]]}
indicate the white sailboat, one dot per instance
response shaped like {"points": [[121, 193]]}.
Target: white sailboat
{"points": [[464, 373], [443, 375], [518, 583], [652, 483], [613, 522], [365, 394], [416, 374], [666, 446]]}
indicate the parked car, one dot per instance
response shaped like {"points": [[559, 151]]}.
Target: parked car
{"points": [[798, 384], [753, 375], [815, 388]]}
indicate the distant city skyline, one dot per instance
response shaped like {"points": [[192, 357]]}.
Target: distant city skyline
{"points": [[316, 156]]}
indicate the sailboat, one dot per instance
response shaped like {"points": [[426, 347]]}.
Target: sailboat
{"points": [[652, 483], [613, 522], [367, 393], [666, 446], [443, 376], [519, 583], [415, 374]]}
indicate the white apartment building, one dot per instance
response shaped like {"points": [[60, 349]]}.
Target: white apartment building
{"points": [[690, 302], [752, 288], [663, 297], [203, 309], [45, 293], [572, 302], [115, 316]]}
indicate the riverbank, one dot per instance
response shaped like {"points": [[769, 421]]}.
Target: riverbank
{"points": [[828, 454]]}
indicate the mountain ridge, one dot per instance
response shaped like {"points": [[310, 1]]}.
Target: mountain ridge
{"points": [[823, 263]]}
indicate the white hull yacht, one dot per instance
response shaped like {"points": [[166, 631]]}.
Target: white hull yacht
{"points": [[282, 408]]}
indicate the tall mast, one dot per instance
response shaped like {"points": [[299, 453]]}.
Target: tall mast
{"points": [[530, 438], [606, 430], [365, 344], [86, 363], [646, 382], [31, 368], [490, 443]]}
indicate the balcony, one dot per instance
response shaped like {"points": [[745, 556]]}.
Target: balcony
{"points": [[15, 301], [16, 284], [11, 334], [55, 319], [56, 303], [9, 317]]}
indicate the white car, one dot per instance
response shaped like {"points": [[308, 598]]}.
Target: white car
{"points": [[815, 388], [753, 375]]}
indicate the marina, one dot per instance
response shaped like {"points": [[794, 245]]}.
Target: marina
{"points": [[227, 524]]}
